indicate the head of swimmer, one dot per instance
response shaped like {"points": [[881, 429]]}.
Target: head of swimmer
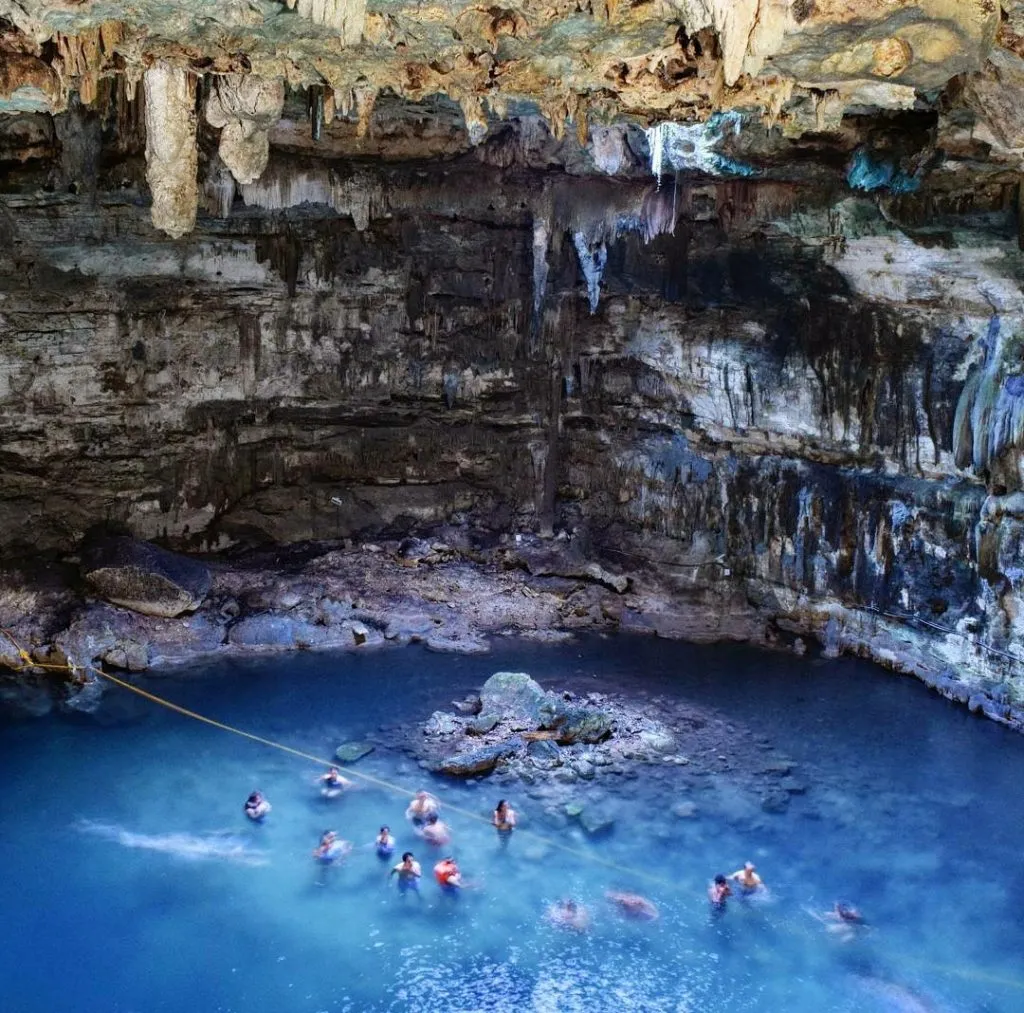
{"points": [[407, 858], [720, 880], [847, 912], [432, 818], [327, 837], [501, 806], [255, 798]]}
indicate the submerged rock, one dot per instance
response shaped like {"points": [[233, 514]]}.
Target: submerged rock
{"points": [[145, 578], [350, 752]]}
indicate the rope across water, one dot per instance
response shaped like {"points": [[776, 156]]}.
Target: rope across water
{"points": [[963, 972]]}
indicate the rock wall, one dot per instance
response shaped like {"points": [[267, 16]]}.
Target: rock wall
{"points": [[795, 393]]}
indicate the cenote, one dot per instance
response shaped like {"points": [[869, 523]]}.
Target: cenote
{"points": [[907, 807]]}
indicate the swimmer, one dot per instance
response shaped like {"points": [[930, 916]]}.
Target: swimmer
{"points": [[719, 892], [435, 831], [422, 805], [256, 807], [632, 905], [330, 848], [448, 877], [749, 881], [504, 819], [408, 872], [385, 843], [332, 784], [842, 921], [567, 914]]}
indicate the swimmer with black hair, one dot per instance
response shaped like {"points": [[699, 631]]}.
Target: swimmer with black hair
{"points": [[408, 872], [719, 892], [257, 807], [435, 831], [504, 817], [332, 784], [384, 844], [843, 921]]}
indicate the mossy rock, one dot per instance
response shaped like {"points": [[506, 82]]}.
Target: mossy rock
{"points": [[350, 752]]}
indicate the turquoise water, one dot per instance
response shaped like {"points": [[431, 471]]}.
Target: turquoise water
{"points": [[913, 811]]}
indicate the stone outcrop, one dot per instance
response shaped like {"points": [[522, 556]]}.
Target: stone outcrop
{"points": [[144, 577]]}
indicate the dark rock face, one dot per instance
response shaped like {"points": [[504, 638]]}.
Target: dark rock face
{"points": [[144, 577], [479, 761]]}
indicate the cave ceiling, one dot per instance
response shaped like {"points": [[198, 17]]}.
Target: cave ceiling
{"points": [[745, 87]]}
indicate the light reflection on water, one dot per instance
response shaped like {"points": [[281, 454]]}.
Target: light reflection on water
{"points": [[912, 812]]}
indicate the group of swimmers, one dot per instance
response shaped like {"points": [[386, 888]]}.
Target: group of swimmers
{"points": [[424, 814]]}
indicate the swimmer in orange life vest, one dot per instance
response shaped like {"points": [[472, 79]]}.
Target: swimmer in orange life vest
{"points": [[748, 880], [448, 877]]}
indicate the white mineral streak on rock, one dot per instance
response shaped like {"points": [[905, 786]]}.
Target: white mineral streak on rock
{"points": [[347, 17], [541, 242], [245, 107], [171, 155]]}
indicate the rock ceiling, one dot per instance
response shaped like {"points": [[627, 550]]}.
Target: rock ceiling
{"points": [[584, 67]]}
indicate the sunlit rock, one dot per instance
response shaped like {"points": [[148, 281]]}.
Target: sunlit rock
{"points": [[171, 153]]}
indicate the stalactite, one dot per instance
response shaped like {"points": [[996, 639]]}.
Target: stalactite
{"points": [[347, 17], [593, 257], [315, 100], [171, 153], [245, 107], [541, 242]]}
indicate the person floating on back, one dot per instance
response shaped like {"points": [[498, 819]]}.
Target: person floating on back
{"points": [[256, 807], [408, 872], [384, 845], [435, 831], [332, 784], [632, 905], [422, 805], [448, 877], [719, 892], [748, 880]]}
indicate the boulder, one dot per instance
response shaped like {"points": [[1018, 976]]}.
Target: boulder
{"points": [[350, 752], [544, 753], [441, 724], [659, 740], [575, 722], [595, 823], [515, 697], [143, 577], [478, 761], [482, 725]]}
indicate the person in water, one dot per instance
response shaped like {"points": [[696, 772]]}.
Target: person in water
{"points": [[567, 914], [422, 805], [632, 905], [749, 881], [384, 845], [448, 877], [408, 872], [332, 784], [719, 892], [256, 807], [504, 819], [843, 921], [435, 831], [330, 849]]}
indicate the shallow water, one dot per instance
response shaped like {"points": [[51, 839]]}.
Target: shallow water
{"points": [[131, 882]]}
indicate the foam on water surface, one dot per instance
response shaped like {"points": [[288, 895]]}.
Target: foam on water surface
{"points": [[133, 882]]}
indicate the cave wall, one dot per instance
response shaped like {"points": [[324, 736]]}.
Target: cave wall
{"points": [[771, 394]]}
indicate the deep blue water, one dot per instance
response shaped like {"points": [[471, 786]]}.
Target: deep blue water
{"points": [[914, 811]]}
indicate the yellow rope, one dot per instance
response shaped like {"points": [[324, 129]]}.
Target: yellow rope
{"points": [[964, 972]]}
